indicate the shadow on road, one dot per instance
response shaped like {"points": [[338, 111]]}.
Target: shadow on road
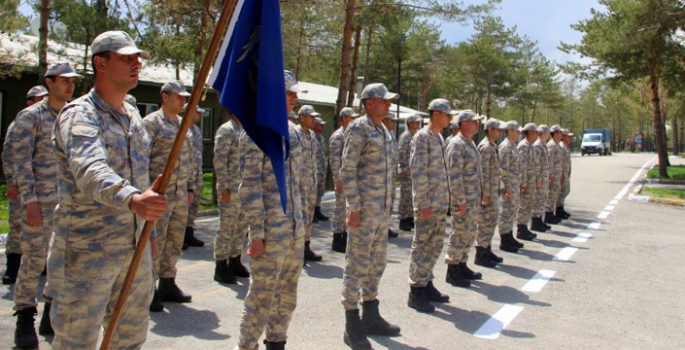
{"points": [[516, 271], [464, 320], [323, 271], [505, 294], [391, 343], [181, 321]]}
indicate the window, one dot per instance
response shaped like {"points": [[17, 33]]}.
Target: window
{"points": [[147, 108], [206, 125]]}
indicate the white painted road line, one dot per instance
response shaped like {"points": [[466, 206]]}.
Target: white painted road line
{"points": [[610, 208], [538, 281], [565, 254], [494, 326], [594, 226], [582, 237], [613, 202], [603, 215], [632, 180]]}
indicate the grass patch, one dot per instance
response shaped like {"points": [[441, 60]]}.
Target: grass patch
{"points": [[4, 214], [207, 187], [676, 172], [666, 193]]}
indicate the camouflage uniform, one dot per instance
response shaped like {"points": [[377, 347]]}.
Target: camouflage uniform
{"points": [[36, 175], [9, 152], [542, 174], [367, 177], [510, 173], [566, 175], [406, 208], [197, 146], [103, 160], [335, 151], [233, 224], [465, 182], [320, 168], [394, 162], [272, 295], [309, 165], [529, 180], [487, 220], [171, 227], [556, 169], [430, 190]]}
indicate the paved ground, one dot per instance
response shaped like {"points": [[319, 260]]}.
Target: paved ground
{"points": [[616, 284]]}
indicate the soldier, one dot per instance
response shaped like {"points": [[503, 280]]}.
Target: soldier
{"points": [[347, 115], [529, 183], [556, 169], [163, 125], [197, 146], [9, 153], [228, 244], [367, 178], [454, 130], [276, 238], [319, 127], [430, 194], [511, 174], [566, 174], [102, 152], [543, 176], [487, 220], [390, 122], [130, 99], [406, 209], [465, 181], [307, 116]]}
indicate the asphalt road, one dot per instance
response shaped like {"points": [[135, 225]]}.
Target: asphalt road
{"points": [[610, 282]]}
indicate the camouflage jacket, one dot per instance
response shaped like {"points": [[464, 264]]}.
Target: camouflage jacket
{"points": [[490, 166], [430, 188], [567, 161], [227, 157], [556, 160], [9, 154], [197, 145], [527, 158], [403, 150], [542, 168], [335, 150], [464, 171], [320, 157], [309, 162], [510, 166]]}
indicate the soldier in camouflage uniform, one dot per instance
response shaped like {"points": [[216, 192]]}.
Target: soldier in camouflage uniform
{"points": [[228, 244], [431, 199], [366, 176], [319, 127], [454, 131], [9, 162], [347, 115], [510, 174], [163, 125], [276, 238], [556, 169], [36, 175], [307, 116], [465, 182], [487, 220], [529, 182], [197, 146], [542, 174], [406, 209], [566, 139], [390, 122], [102, 152]]}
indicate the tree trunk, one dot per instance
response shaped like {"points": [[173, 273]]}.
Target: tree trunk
{"points": [[355, 64], [345, 69], [674, 127], [659, 128], [367, 64], [43, 39], [300, 42]]}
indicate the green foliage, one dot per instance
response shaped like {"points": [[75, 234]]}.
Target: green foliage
{"points": [[4, 214], [11, 22], [665, 193], [674, 172]]}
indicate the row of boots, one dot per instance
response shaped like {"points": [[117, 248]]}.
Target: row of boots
{"points": [[318, 215], [12, 271], [168, 291], [189, 240], [420, 298], [370, 323], [228, 271], [25, 336]]}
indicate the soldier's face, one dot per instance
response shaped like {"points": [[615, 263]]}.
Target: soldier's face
{"points": [[513, 135], [122, 71], [61, 88], [415, 125], [496, 132], [307, 121], [566, 140], [389, 124], [377, 106], [319, 128], [469, 128], [454, 131], [441, 119], [346, 120], [543, 136], [173, 101], [290, 100]]}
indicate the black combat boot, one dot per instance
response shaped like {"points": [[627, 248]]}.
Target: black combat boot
{"points": [[339, 244], [309, 255], [411, 221], [13, 263], [156, 304], [455, 277], [373, 323], [190, 239], [25, 336], [418, 300], [524, 234], [434, 294], [169, 291], [274, 345], [494, 257], [538, 225], [223, 274], [45, 327], [482, 258], [392, 234], [468, 273], [563, 212], [237, 268], [319, 215], [406, 224], [507, 243], [354, 335], [551, 219]]}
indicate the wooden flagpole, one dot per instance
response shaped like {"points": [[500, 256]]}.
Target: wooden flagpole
{"points": [[224, 19]]}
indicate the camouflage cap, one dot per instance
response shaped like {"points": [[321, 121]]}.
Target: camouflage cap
{"points": [[567, 132], [197, 108], [391, 116], [319, 121], [378, 90], [291, 83], [62, 69], [37, 91], [493, 123], [130, 99], [117, 41], [468, 114], [348, 112], [441, 105], [555, 128], [293, 115], [454, 125], [510, 125], [308, 110], [414, 118], [529, 127], [543, 128], [175, 86]]}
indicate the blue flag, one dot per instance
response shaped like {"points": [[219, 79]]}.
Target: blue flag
{"points": [[248, 73]]}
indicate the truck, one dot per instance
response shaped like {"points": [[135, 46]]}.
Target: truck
{"points": [[596, 141]]}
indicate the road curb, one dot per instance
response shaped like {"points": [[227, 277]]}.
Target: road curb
{"points": [[637, 197]]}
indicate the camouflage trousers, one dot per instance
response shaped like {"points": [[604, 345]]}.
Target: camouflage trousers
{"points": [[487, 222], [464, 231], [406, 207], [34, 247], [540, 200], [13, 245], [552, 197], [320, 188], [525, 208], [85, 286], [170, 232], [564, 192], [426, 246], [507, 216], [272, 295], [194, 207], [338, 224], [366, 258], [232, 229]]}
